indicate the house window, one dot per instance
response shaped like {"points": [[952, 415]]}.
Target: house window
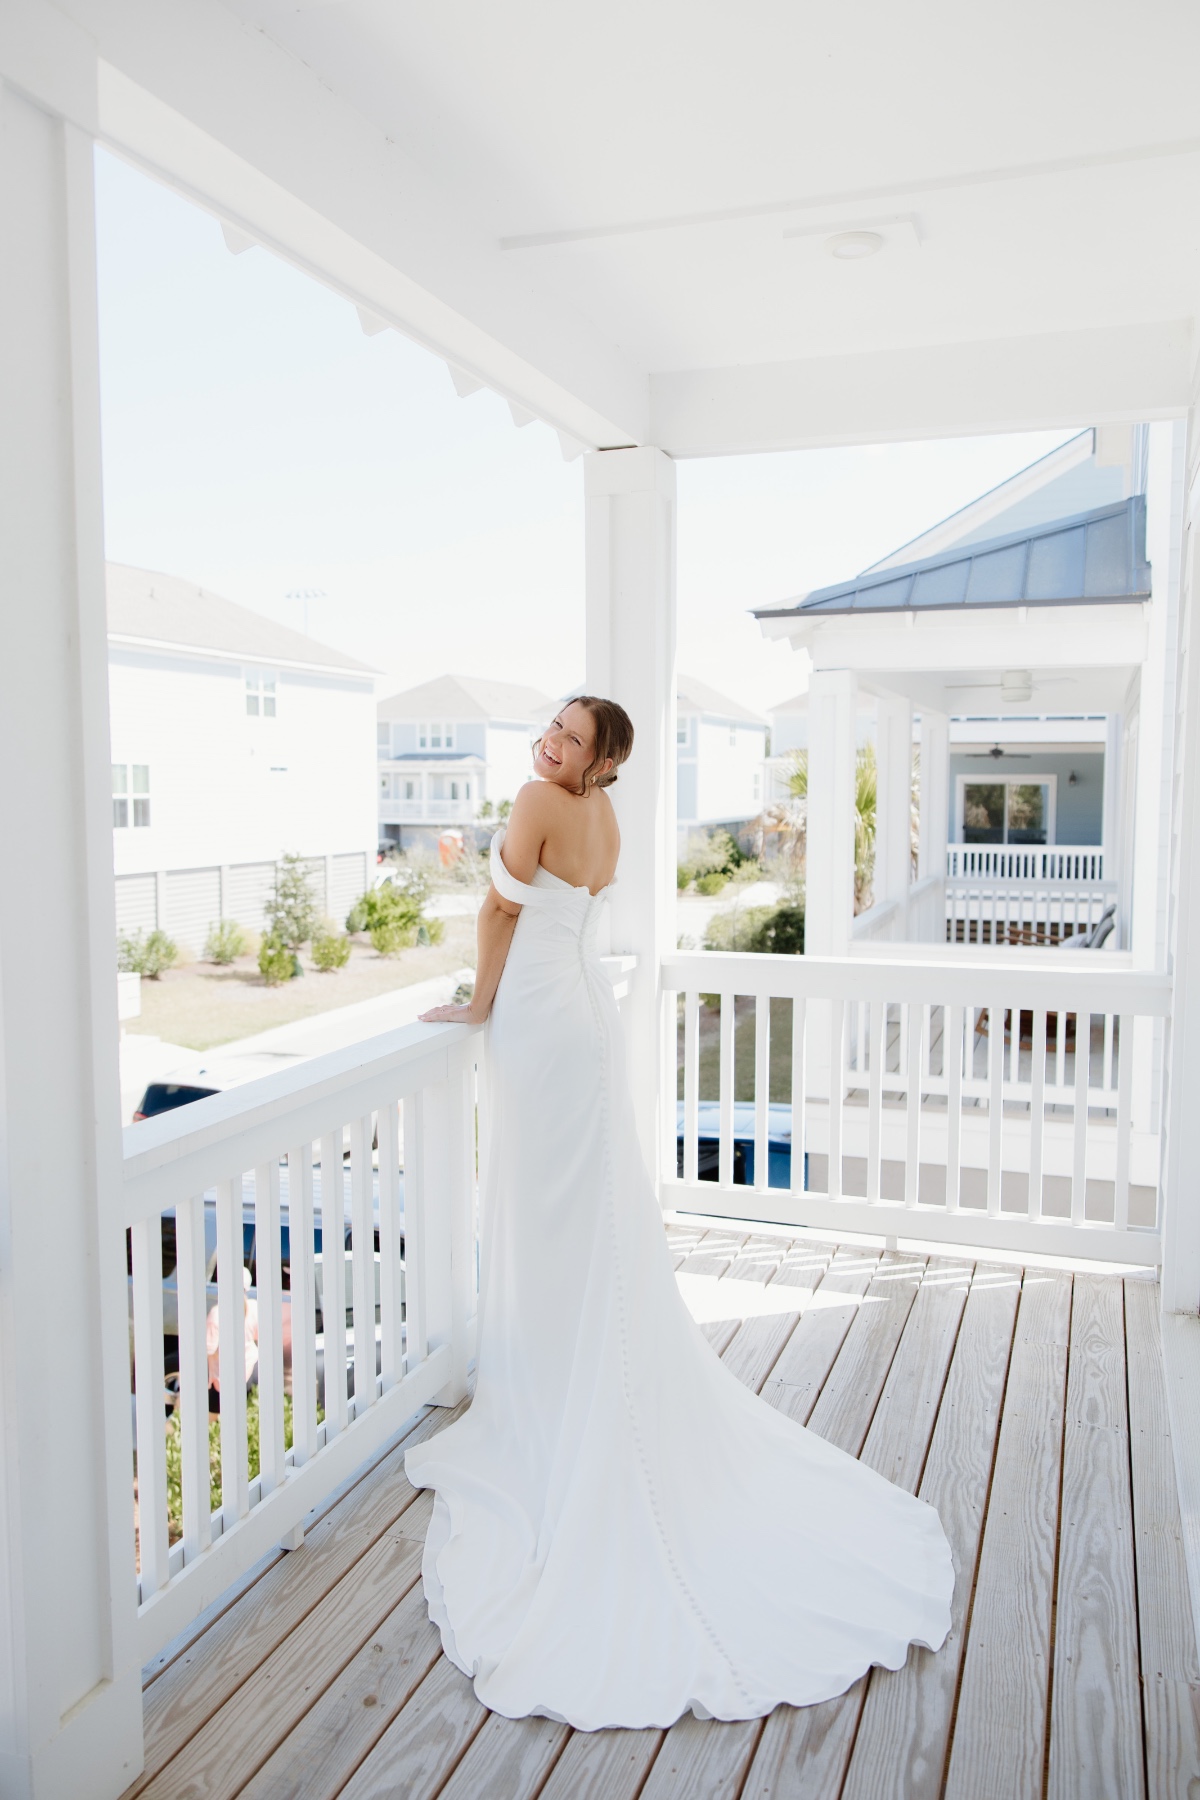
{"points": [[1018, 810], [260, 696], [681, 731], [410, 790], [131, 795], [383, 739], [757, 785], [435, 734]]}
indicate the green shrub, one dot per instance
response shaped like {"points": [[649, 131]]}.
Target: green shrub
{"points": [[146, 954], [712, 883], [782, 934], [431, 931], [226, 941], [684, 875], [761, 930], [330, 951], [356, 918], [275, 959], [292, 915]]}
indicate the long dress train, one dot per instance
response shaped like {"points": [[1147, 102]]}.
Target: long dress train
{"points": [[621, 1531]]}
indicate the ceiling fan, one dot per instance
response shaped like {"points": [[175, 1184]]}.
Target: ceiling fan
{"points": [[996, 752], [1016, 686]]}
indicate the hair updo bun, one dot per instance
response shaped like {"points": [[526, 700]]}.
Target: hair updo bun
{"points": [[614, 738]]}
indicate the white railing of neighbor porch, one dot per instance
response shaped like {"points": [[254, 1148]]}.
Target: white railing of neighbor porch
{"points": [[959, 1106], [1027, 862], [919, 918], [993, 910], [397, 1249]]}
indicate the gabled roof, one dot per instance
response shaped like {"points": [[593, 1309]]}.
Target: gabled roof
{"points": [[1090, 559], [697, 697], [461, 697], [146, 607]]}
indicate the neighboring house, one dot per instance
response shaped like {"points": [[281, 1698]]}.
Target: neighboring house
{"points": [[234, 740], [722, 748], [448, 748]]}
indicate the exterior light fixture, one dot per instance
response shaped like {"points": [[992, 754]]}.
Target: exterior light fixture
{"points": [[852, 246]]}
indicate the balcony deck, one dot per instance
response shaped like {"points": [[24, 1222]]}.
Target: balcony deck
{"points": [[1028, 1405]]}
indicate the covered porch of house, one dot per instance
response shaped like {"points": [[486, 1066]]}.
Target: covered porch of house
{"points": [[646, 311], [1027, 1404]]}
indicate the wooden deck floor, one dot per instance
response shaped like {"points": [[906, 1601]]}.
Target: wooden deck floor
{"points": [[1027, 1405]]}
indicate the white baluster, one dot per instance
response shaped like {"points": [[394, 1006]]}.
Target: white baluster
{"points": [[415, 1309], [837, 1089], [1083, 1027], [799, 1021], [952, 1061], [231, 1356], [151, 1413], [1037, 1113], [725, 1128], [762, 1091], [391, 1267], [691, 1085], [362, 1250], [190, 1278], [303, 1308], [995, 1058], [333, 1283]]}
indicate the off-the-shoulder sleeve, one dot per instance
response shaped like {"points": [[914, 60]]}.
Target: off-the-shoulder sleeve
{"points": [[519, 892]]}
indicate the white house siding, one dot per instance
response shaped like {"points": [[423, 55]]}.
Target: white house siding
{"points": [[348, 879], [235, 792], [720, 771]]}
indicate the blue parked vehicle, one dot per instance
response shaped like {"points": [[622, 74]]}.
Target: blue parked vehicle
{"points": [[779, 1143]]}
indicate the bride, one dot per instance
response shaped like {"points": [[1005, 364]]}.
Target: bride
{"points": [[620, 1529]]}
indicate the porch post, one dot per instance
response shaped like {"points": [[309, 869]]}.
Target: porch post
{"points": [[630, 544], [935, 795], [1153, 776], [893, 804], [70, 1690], [1114, 733], [829, 854]]}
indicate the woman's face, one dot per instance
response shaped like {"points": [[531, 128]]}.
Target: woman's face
{"points": [[567, 748]]}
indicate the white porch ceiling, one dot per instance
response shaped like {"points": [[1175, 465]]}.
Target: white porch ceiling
{"points": [[618, 215]]}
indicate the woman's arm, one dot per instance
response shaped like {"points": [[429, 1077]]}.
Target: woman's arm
{"points": [[523, 840]]}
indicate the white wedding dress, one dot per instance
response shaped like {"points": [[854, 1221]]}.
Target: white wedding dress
{"points": [[621, 1530]]}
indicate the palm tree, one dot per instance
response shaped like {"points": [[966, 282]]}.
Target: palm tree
{"points": [[865, 795]]}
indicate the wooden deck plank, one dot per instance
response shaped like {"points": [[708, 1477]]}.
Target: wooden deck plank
{"points": [[848, 1399], [703, 1759], [1169, 1662], [997, 1751], [759, 1342], [197, 1683], [714, 1253], [331, 1739], [900, 1750], [805, 1752], [811, 1350], [1095, 1708], [509, 1757], [603, 1765], [424, 1743], [236, 1741]]}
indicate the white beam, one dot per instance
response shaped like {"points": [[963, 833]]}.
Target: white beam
{"points": [[935, 795], [630, 536], [1129, 372], [829, 855], [70, 1690], [248, 131], [987, 639], [893, 800]]}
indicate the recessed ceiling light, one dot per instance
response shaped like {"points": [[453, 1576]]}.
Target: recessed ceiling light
{"points": [[851, 246]]}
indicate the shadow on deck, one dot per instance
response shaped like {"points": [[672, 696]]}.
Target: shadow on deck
{"points": [[1027, 1405]]}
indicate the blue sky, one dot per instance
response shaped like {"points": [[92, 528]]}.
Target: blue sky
{"points": [[257, 442]]}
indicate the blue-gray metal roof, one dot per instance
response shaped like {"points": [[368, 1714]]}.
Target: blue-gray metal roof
{"points": [[1089, 559]]}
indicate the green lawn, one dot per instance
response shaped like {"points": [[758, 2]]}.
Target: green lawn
{"points": [[743, 1050]]}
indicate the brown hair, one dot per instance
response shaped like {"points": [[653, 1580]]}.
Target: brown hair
{"points": [[614, 737]]}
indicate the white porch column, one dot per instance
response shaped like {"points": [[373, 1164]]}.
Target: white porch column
{"points": [[935, 795], [829, 854], [1153, 777], [70, 1692], [1114, 734], [630, 528], [893, 803]]}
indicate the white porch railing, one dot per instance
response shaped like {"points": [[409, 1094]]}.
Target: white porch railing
{"points": [[1027, 862], [960, 1093], [919, 918], [268, 1155], [991, 910]]}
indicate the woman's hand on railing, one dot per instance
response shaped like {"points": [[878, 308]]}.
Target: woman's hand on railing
{"points": [[453, 1015]]}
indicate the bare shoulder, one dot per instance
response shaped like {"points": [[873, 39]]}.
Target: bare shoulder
{"points": [[537, 800]]}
